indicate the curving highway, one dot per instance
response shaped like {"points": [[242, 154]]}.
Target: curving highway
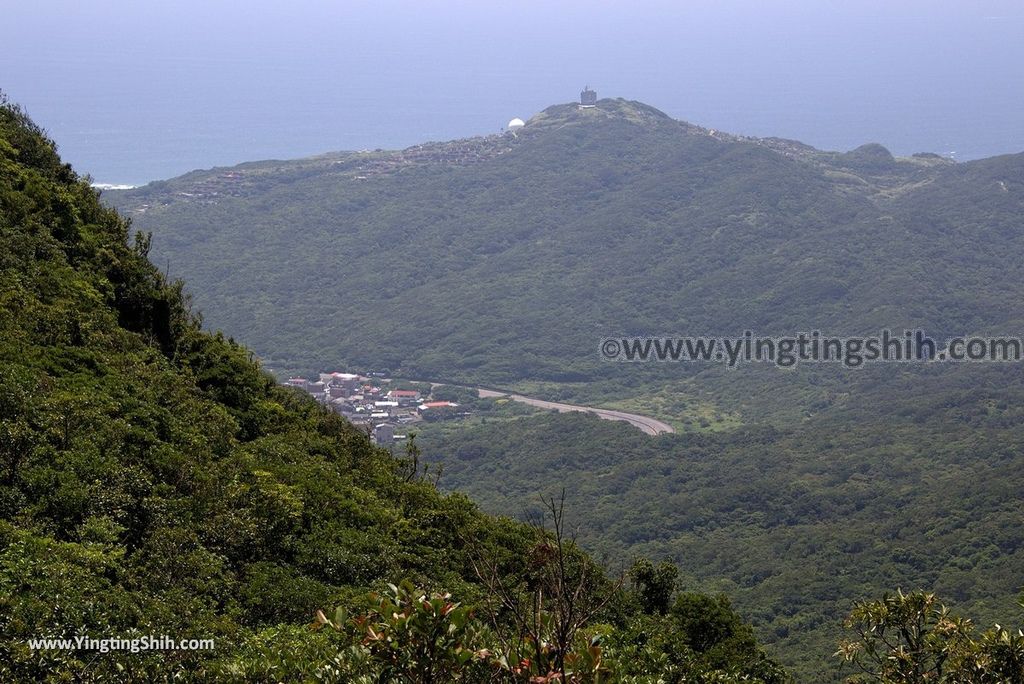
{"points": [[649, 425]]}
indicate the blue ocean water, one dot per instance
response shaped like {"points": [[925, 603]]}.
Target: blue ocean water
{"points": [[134, 92]]}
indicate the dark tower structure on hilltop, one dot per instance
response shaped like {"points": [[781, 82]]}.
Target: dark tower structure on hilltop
{"points": [[588, 98]]}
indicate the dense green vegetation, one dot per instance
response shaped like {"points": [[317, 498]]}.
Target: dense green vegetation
{"points": [[794, 524], [911, 638], [155, 482]]}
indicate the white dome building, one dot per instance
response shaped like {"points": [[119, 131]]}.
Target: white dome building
{"points": [[515, 124]]}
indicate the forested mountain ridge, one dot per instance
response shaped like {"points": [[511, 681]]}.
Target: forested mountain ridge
{"points": [[509, 264], [155, 482]]}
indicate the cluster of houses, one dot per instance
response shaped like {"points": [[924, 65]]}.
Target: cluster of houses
{"points": [[369, 402]]}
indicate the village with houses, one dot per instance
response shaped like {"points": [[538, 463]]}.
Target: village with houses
{"points": [[380, 405]]}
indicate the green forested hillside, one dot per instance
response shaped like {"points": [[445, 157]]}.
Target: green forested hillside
{"points": [[795, 523], [154, 482], [510, 260]]}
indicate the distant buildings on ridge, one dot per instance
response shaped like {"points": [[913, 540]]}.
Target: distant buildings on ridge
{"points": [[588, 98]]}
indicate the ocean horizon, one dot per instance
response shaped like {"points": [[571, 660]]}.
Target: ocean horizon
{"points": [[944, 79]]}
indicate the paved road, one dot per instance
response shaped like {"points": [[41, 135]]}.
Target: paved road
{"points": [[648, 425]]}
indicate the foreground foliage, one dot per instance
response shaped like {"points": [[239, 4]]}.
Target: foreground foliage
{"points": [[914, 639]]}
